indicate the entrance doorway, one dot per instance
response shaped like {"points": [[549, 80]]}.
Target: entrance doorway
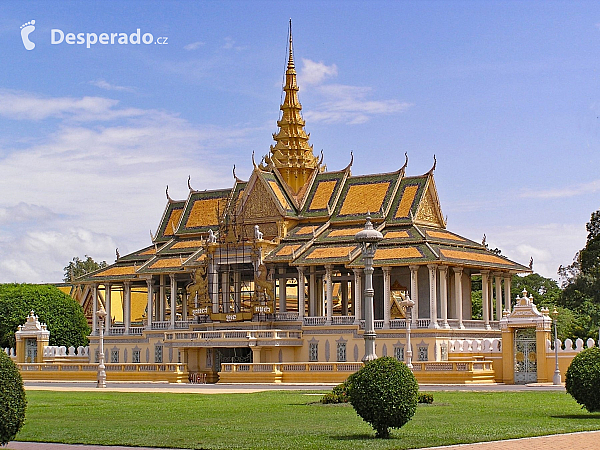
{"points": [[232, 355], [525, 356], [30, 350]]}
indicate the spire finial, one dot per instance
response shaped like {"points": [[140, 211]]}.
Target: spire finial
{"points": [[291, 55]]}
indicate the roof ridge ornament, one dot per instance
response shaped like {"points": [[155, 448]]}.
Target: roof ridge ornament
{"points": [[433, 168], [167, 194], [403, 168], [189, 185]]}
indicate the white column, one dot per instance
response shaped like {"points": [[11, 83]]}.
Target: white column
{"points": [[357, 295], [458, 292], [491, 297], [107, 301], [94, 307], [150, 289], [484, 298], [312, 292], [160, 314], [237, 288], [301, 284], [444, 295], [184, 304], [214, 285], [433, 296], [414, 293], [127, 306], [344, 291], [328, 270], [498, 296], [507, 299], [225, 288], [282, 290], [387, 290], [173, 300]]}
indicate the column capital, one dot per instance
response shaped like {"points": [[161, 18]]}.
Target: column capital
{"points": [[300, 269], [107, 285], [127, 283], [357, 271], [458, 269], [413, 268], [386, 269], [484, 272], [328, 267], [443, 268], [432, 266]]}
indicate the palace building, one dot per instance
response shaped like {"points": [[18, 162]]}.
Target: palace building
{"points": [[263, 280]]}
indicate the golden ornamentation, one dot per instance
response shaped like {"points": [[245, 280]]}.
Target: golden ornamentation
{"points": [[532, 357], [443, 235], [363, 198], [520, 357], [427, 209], [173, 222], [188, 244], [200, 286], [468, 256], [113, 271], [322, 195], [345, 232], [260, 204], [263, 286], [396, 234], [398, 253], [330, 252], [408, 197], [205, 212]]}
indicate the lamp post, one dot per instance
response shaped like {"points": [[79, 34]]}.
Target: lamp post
{"points": [[408, 303], [368, 240], [101, 316], [556, 378]]}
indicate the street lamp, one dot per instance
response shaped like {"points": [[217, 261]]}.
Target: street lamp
{"points": [[408, 303], [556, 378], [101, 316], [368, 240]]}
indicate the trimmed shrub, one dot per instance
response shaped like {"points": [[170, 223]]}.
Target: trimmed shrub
{"points": [[384, 394], [12, 400], [583, 379], [424, 397], [339, 394]]}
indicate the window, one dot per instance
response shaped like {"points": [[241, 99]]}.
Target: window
{"points": [[97, 356], [313, 351], [341, 352], [399, 353], [158, 354], [423, 353], [135, 356], [114, 355]]}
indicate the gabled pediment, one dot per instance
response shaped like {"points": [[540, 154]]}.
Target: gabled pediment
{"points": [[429, 211]]}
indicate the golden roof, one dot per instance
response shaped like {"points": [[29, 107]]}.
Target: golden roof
{"points": [[397, 253], [471, 256], [205, 212], [322, 195], [173, 222], [329, 252], [408, 196], [117, 270], [363, 198]]}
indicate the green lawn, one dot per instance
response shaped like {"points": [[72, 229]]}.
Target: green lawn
{"points": [[285, 419]]}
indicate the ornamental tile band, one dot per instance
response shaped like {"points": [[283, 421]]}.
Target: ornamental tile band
{"points": [[115, 271], [173, 222], [277, 190], [396, 235], [322, 195], [398, 253], [345, 232], [330, 252], [443, 235], [287, 250], [188, 244], [362, 198], [469, 256], [204, 212], [408, 197]]}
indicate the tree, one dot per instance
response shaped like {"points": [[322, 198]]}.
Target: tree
{"points": [[583, 378], [384, 393], [581, 283], [12, 400], [63, 315], [79, 267], [545, 291]]}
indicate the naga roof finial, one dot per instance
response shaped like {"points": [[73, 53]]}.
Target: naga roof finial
{"points": [[167, 193]]}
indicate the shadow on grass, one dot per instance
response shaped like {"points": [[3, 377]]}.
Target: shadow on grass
{"points": [[355, 437], [577, 416]]}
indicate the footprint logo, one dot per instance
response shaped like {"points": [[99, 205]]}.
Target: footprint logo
{"points": [[26, 30]]}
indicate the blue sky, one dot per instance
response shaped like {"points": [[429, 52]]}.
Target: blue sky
{"points": [[505, 94]]}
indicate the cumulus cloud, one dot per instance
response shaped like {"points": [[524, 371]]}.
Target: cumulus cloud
{"points": [[342, 103]]}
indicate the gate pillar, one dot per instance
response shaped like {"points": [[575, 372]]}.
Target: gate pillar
{"points": [[524, 315], [31, 338]]}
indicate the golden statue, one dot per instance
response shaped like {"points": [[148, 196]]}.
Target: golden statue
{"points": [[199, 287], [262, 285]]}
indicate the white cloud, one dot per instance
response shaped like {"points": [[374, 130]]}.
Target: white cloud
{"points": [[103, 84], [230, 44], [567, 191], [101, 183], [193, 45], [315, 72], [342, 103]]}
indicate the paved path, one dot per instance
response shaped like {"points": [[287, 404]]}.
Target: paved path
{"points": [[589, 440]]}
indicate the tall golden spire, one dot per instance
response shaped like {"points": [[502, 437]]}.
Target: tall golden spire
{"points": [[292, 155]]}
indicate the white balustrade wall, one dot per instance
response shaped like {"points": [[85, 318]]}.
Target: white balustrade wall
{"points": [[474, 345], [567, 346], [53, 351]]}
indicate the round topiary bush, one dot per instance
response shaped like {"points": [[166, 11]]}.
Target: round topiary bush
{"points": [[12, 399], [384, 393], [583, 379]]}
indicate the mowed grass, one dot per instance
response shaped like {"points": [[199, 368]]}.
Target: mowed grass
{"points": [[287, 419]]}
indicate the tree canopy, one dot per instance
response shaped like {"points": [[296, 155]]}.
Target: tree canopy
{"points": [[63, 315], [79, 267]]}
